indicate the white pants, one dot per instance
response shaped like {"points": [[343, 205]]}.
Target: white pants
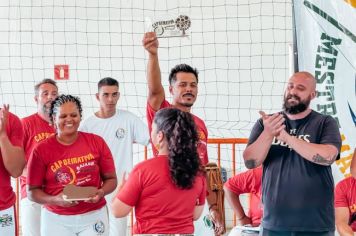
{"points": [[93, 223], [237, 231], [118, 226], [8, 222], [30, 217], [199, 227]]}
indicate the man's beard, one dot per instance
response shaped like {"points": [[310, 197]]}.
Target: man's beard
{"points": [[45, 109], [187, 104], [297, 108]]}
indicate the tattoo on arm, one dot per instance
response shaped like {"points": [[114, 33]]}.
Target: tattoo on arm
{"points": [[322, 160], [250, 164]]}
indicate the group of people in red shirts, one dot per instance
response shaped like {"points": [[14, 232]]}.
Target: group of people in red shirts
{"points": [[168, 193], [171, 186]]}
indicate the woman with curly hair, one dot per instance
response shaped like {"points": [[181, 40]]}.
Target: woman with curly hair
{"points": [[167, 191], [71, 158]]}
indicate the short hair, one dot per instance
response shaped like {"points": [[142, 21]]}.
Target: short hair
{"points": [[181, 68], [107, 81], [45, 81]]}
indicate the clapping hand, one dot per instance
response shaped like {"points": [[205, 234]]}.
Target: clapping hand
{"points": [[4, 112], [273, 124]]}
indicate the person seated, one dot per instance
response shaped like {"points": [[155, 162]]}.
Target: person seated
{"points": [[169, 190], [345, 203], [245, 182]]}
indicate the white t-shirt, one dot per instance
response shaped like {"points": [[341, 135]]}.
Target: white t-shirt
{"points": [[119, 132]]}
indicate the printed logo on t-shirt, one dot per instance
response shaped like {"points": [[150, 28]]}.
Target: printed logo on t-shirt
{"points": [[65, 174], [201, 135], [305, 137], [41, 136], [120, 133], [202, 146], [86, 167], [202, 149], [99, 227], [6, 220], [85, 170]]}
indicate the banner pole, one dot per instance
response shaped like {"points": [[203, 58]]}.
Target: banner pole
{"points": [[295, 45]]}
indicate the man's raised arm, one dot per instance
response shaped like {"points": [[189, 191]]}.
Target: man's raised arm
{"points": [[155, 89]]}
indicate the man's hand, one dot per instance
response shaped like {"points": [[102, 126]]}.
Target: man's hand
{"points": [[273, 124], [150, 43], [217, 220], [283, 136]]}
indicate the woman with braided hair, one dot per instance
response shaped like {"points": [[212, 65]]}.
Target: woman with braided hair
{"points": [[71, 157], [167, 191]]}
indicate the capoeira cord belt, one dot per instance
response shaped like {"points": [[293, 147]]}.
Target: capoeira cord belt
{"points": [[215, 188]]}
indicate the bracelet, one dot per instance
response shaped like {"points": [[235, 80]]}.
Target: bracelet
{"points": [[241, 217], [212, 205]]}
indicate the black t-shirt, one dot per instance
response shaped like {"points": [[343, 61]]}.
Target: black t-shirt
{"points": [[298, 194]]}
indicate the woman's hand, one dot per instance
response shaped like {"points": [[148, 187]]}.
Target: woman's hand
{"points": [[245, 220], [99, 194], [59, 201]]}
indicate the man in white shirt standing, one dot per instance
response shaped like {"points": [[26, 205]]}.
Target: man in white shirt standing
{"points": [[120, 129]]}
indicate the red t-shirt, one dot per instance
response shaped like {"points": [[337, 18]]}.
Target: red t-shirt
{"points": [[345, 196], [201, 128], [35, 130], [15, 133], [160, 206], [54, 165], [249, 182]]}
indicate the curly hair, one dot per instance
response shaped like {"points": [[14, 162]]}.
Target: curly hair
{"points": [[180, 131], [181, 68], [60, 100]]}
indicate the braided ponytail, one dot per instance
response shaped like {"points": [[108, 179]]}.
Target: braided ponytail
{"points": [[182, 137]]}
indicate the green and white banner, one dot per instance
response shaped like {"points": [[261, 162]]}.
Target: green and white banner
{"points": [[326, 44]]}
